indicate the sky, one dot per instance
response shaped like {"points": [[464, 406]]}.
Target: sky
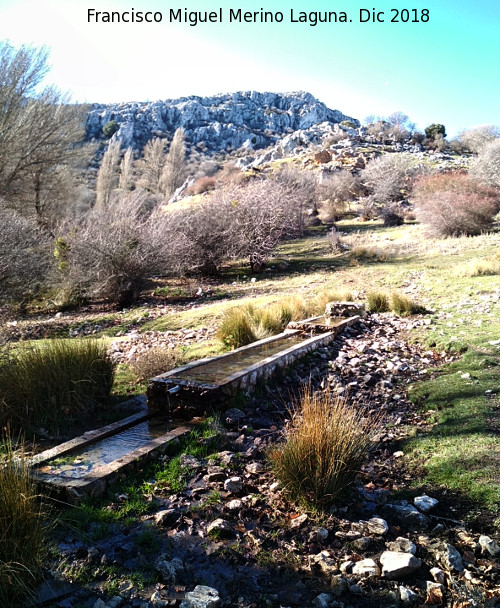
{"points": [[443, 70]]}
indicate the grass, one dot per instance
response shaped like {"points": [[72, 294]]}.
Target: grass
{"points": [[42, 384], [22, 529], [325, 445]]}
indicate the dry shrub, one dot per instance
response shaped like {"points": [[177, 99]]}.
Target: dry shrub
{"points": [[368, 254], [336, 192], [22, 529], [453, 204], [111, 250], [61, 380], [486, 167], [479, 268], [245, 221], [325, 445], [201, 185], [156, 361], [378, 301]]}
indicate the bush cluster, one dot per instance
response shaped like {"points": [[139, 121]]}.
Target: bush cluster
{"points": [[453, 204]]}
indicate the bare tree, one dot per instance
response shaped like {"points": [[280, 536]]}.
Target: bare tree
{"points": [[111, 250], [174, 168], [107, 177], [151, 164], [39, 132], [486, 167], [126, 179], [24, 256], [237, 221], [478, 138]]}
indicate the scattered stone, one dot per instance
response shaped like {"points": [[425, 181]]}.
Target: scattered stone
{"points": [[166, 517], [220, 529], [325, 563], [407, 515], [233, 485], [449, 557], [169, 569], [339, 584], [234, 505], [323, 600], [233, 416], [377, 525], [425, 503], [402, 545], [362, 544], [366, 567], [438, 575], [408, 596], [299, 521], [201, 597], [157, 601], [227, 458], [254, 468], [488, 545], [397, 565]]}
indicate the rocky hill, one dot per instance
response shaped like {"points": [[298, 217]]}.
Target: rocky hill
{"points": [[249, 120]]}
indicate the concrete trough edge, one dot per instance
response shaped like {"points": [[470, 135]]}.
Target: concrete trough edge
{"points": [[94, 483]]}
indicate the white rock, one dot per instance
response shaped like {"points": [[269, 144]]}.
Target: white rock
{"points": [[402, 545], [377, 525], [233, 485], [438, 575], [425, 503], [201, 597], [323, 600], [408, 596], [234, 505], [219, 528], [398, 565], [489, 545], [366, 567]]}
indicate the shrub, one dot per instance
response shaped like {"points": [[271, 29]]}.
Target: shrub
{"points": [[324, 297], [243, 325], [325, 444], [201, 185], [434, 130], [388, 178], [113, 249], [377, 302], [336, 192], [110, 128], [24, 257], [404, 306], [453, 204], [486, 168], [61, 380], [156, 361], [235, 222], [478, 138], [22, 529]]}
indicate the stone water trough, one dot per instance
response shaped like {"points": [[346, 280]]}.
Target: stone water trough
{"points": [[85, 465]]}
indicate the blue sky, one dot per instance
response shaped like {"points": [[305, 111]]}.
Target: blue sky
{"points": [[445, 70]]}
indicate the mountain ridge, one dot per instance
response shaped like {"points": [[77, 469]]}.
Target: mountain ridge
{"points": [[218, 123]]}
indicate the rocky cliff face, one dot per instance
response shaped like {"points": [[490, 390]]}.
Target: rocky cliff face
{"points": [[221, 123]]}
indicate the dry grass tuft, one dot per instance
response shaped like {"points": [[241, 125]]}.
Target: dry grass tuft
{"points": [[404, 306], [480, 268], [378, 302], [57, 380], [325, 445], [22, 529]]}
